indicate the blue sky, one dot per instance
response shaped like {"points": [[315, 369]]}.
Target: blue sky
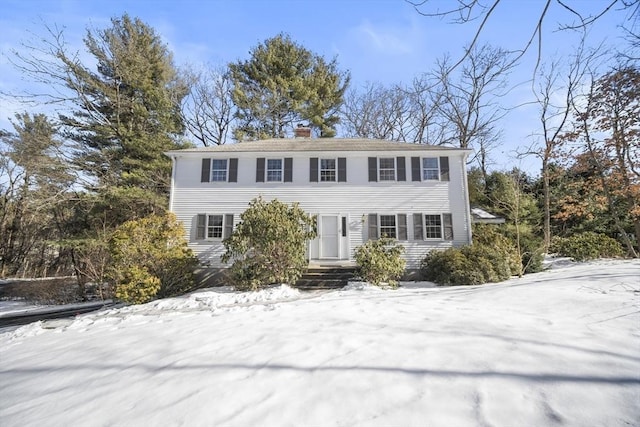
{"points": [[376, 40]]}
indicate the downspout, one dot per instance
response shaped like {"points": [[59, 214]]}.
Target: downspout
{"points": [[465, 190]]}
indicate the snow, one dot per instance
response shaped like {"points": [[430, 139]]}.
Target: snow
{"points": [[561, 347]]}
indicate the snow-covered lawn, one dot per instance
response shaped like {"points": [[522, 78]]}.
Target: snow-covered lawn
{"points": [[560, 347]]}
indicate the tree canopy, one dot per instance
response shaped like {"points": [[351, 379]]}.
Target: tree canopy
{"points": [[284, 83], [127, 111]]}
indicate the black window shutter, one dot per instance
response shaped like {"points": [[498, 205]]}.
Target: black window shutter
{"points": [[201, 226], [447, 221], [342, 169], [313, 169], [400, 166], [373, 169], [260, 169], [415, 169], [288, 169], [417, 227], [444, 169], [402, 227], [228, 225], [233, 170], [373, 226], [206, 170]]}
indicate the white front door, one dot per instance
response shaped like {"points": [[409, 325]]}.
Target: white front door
{"points": [[329, 236]]}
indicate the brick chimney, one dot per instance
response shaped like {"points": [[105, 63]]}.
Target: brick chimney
{"points": [[302, 131]]}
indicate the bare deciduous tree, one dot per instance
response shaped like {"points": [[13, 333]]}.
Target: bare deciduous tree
{"points": [[468, 11], [554, 89], [208, 110], [467, 100], [375, 111]]}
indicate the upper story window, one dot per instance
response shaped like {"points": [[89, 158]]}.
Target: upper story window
{"points": [[430, 169], [328, 170], [274, 170], [219, 170], [387, 169]]}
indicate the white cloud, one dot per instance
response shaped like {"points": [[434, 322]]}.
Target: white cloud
{"points": [[388, 39]]}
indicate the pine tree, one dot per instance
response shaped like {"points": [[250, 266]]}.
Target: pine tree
{"points": [[284, 83], [127, 111]]}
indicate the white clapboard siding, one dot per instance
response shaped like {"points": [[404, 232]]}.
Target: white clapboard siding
{"points": [[354, 199]]}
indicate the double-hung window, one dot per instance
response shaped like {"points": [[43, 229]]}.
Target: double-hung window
{"points": [[387, 169], [218, 170], [214, 226], [392, 226], [274, 170], [433, 226], [388, 226], [327, 170], [430, 169]]}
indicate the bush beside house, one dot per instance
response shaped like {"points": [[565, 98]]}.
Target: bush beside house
{"points": [[150, 259], [268, 246], [380, 261]]}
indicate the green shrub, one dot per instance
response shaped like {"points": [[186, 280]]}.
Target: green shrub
{"points": [[490, 235], [154, 244], [469, 265], [532, 254], [137, 286], [269, 245], [586, 246], [380, 261]]}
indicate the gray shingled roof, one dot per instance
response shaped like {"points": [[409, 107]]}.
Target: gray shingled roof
{"points": [[314, 144]]}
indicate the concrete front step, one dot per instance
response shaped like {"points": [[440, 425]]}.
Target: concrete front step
{"points": [[326, 278]]}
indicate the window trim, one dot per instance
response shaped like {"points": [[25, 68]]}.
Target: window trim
{"points": [[425, 231], [395, 225], [335, 169], [211, 227], [231, 171], [226, 170], [423, 169], [380, 169], [226, 227], [266, 169]]}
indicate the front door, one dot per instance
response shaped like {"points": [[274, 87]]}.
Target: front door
{"points": [[329, 236]]}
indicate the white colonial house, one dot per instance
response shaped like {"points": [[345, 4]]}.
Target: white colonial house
{"points": [[359, 189]]}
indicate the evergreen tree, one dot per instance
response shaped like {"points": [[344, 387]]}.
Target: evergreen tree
{"points": [[284, 83], [34, 183], [127, 112]]}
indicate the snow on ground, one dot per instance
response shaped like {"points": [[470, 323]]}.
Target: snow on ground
{"points": [[560, 347]]}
